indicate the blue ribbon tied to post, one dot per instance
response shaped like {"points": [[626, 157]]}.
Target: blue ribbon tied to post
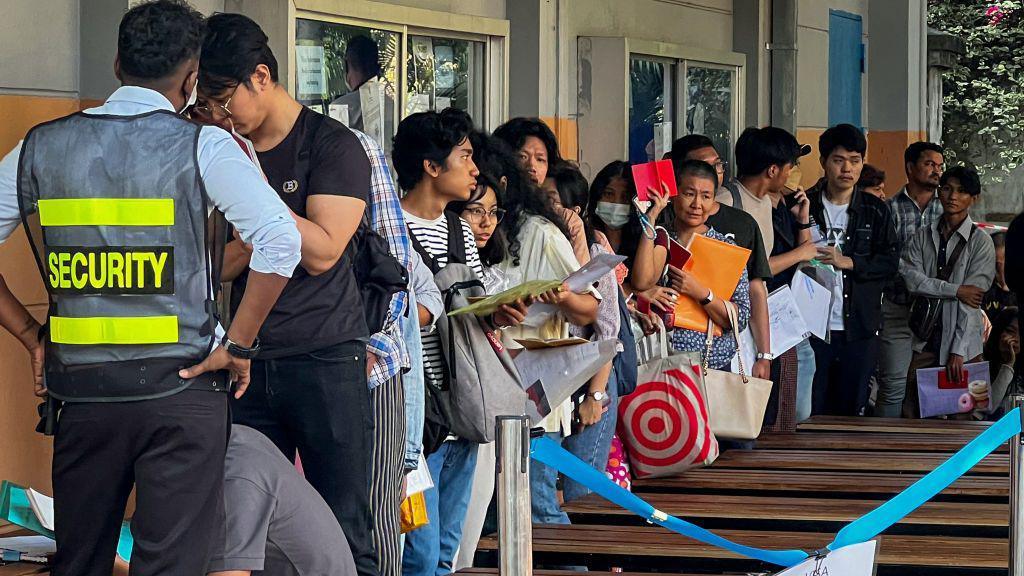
{"points": [[860, 530]]}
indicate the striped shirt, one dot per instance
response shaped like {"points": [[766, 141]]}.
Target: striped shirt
{"points": [[433, 236]]}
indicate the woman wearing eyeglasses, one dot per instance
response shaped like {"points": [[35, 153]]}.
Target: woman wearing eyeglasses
{"points": [[483, 211]]}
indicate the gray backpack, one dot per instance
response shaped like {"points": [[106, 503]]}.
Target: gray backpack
{"points": [[480, 380]]}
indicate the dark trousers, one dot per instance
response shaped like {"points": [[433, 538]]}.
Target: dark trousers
{"points": [[172, 450], [843, 371], [318, 404]]}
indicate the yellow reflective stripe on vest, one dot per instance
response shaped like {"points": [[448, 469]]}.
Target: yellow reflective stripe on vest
{"points": [[114, 330], [107, 212]]}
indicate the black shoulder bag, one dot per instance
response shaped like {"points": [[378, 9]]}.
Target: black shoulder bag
{"points": [[925, 310]]}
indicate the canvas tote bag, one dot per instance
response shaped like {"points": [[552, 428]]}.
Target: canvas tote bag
{"points": [[737, 402], [663, 425]]}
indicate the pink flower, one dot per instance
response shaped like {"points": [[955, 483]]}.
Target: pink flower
{"points": [[995, 14]]}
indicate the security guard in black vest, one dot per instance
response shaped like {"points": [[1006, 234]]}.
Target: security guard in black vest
{"points": [[116, 202]]}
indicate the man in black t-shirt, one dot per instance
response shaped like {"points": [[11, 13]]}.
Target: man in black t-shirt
{"points": [[742, 228], [309, 392]]}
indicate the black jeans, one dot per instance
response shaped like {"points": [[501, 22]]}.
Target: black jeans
{"points": [[842, 374], [319, 405], [172, 450]]}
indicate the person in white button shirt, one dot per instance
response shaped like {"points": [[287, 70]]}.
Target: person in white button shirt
{"points": [[156, 429]]}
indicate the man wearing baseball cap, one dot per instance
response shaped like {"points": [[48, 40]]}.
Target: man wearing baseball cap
{"points": [[764, 159]]}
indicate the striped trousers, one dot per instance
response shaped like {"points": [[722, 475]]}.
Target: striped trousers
{"points": [[388, 404]]}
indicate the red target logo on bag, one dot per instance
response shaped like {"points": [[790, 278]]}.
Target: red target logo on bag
{"points": [[664, 423]]}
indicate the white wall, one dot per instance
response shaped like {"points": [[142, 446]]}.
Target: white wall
{"points": [[702, 23], [40, 46]]}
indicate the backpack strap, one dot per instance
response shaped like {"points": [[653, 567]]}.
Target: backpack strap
{"points": [[946, 271], [737, 199], [456, 238], [456, 243], [418, 247], [306, 148]]}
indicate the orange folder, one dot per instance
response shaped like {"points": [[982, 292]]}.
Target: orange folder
{"points": [[717, 265]]}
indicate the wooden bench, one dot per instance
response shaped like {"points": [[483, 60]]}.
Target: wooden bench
{"points": [[966, 428], [852, 461], [724, 480], [687, 506], [629, 542], [872, 441]]}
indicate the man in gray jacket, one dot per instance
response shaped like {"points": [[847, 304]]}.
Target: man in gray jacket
{"points": [[935, 265]]}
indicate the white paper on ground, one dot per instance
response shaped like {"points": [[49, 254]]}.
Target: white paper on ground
{"points": [[419, 479], [30, 545], [853, 560], [814, 302], [42, 506]]}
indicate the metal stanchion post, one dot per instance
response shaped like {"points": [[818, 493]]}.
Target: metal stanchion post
{"points": [[1017, 495], [515, 530]]}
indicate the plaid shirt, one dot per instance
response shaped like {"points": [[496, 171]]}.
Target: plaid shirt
{"points": [[387, 219], [908, 217]]}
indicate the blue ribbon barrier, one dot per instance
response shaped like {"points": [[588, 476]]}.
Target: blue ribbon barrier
{"points": [[548, 452], [863, 529], [880, 519]]}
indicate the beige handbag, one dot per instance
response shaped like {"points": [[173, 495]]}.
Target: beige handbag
{"points": [[737, 402]]}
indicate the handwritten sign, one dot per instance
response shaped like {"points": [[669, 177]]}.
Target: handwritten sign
{"points": [[855, 560]]}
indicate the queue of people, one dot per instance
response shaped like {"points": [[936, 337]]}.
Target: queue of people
{"points": [[336, 353]]}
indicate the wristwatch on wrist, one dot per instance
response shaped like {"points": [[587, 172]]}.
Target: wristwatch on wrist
{"points": [[599, 396], [765, 356], [709, 299], [239, 351]]}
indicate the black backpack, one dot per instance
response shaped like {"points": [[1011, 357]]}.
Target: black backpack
{"points": [[626, 362]]}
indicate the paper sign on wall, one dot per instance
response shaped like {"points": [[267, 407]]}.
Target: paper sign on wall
{"points": [[312, 75], [855, 560], [662, 139], [339, 112]]}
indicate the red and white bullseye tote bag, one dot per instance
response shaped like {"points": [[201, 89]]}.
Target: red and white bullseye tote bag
{"points": [[664, 424]]}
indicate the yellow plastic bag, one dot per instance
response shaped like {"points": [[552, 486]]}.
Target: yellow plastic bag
{"points": [[413, 513]]}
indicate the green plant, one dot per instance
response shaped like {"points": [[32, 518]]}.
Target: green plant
{"points": [[983, 105]]}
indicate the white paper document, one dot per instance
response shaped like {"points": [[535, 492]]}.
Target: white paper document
{"points": [[814, 301], [339, 112], [312, 75], [551, 375], [582, 279], [42, 506], [419, 479], [854, 560], [30, 545], [786, 321]]}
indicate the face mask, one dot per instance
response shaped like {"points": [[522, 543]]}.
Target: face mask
{"points": [[614, 215], [192, 98]]}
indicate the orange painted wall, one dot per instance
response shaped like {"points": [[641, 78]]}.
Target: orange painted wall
{"points": [[25, 455], [565, 130], [885, 150]]}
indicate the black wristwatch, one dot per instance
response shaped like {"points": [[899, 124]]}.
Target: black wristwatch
{"points": [[239, 351]]}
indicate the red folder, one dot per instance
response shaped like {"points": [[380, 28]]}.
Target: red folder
{"points": [[651, 175]]}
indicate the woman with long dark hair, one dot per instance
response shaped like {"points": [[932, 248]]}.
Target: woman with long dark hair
{"points": [[597, 407], [536, 150]]}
